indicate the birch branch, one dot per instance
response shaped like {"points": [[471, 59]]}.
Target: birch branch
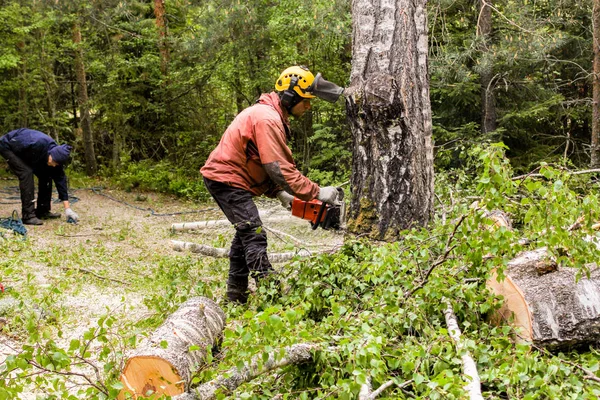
{"points": [[473, 387], [203, 249], [233, 378], [219, 223], [366, 393], [537, 175], [218, 252]]}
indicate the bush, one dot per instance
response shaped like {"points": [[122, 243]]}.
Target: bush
{"points": [[162, 177]]}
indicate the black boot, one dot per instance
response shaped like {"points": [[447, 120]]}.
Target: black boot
{"points": [[237, 290], [32, 221], [47, 215]]}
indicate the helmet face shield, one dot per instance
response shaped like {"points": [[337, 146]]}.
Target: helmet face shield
{"points": [[324, 89]]}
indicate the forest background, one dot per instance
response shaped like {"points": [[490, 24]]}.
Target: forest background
{"points": [[144, 90]]}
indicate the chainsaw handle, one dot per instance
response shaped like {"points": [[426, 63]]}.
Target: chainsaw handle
{"points": [[320, 215]]}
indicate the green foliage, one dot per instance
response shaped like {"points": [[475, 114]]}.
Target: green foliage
{"points": [[376, 311], [161, 177]]}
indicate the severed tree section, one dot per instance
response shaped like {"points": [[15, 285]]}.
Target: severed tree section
{"points": [[390, 115], [165, 364], [549, 305]]}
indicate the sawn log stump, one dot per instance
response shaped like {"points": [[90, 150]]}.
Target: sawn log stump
{"points": [[551, 308], [165, 364]]}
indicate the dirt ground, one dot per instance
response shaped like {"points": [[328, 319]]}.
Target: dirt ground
{"points": [[102, 263]]}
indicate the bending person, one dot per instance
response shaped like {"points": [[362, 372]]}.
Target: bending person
{"points": [[253, 159], [30, 152]]}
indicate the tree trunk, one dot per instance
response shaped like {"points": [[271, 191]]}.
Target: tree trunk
{"points": [[166, 363], [86, 126], [549, 305], [116, 151], [595, 162], [23, 104], [161, 25], [390, 115], [488, 101]]}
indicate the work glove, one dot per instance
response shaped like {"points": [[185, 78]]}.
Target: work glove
{"points": [[329, 195], [286, 199], [72, 216]]}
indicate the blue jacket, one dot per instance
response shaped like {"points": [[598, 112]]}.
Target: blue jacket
{"points": [[32, 148]]}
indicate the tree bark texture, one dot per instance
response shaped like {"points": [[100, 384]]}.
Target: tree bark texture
{"points": [[488, 100], [82, 97], [549, 305], [390, 115], [595, 161], [232, 379], [23, 102], [165, 364], [473, 386], [161, 25]]}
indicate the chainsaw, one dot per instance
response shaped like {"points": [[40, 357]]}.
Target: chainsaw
{"points": [[321, 214]]}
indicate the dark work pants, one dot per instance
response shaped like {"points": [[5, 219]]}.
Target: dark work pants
{"points": [[248, 254], [27, 186]]}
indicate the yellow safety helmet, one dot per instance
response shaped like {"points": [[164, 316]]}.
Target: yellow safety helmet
{"points": [[303, 80]]}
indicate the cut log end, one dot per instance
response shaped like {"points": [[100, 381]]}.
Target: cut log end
{"points": [[154, 375], [154, 370], [514, 310]]}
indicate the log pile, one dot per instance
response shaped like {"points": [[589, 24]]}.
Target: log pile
{"points": [[165, 364]]}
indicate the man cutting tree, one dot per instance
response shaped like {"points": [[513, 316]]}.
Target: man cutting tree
{"points": [[30, 152], [253, 159]]}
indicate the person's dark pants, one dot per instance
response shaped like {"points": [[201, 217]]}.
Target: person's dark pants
{"points": [[44, 195], [27, 186], [248, 253]]}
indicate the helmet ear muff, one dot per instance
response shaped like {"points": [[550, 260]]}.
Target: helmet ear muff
{"points": [[289, 97]]}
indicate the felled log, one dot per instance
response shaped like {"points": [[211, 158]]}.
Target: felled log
{"points": [[219, 252], [165, 364], [219, 223], [546, 303]]}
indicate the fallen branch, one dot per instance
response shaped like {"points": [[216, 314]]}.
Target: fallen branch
{"points": [[439, 261], [192, 226], [218, 252], [203, 249], [233, 378], [581, 172], [87, 271], [590, 375], [473, 387], [366, 393]]}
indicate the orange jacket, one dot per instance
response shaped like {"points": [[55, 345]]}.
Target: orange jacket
{"points": [[253, 151]]}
